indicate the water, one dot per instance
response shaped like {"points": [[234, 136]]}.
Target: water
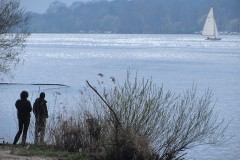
{"points": [[176, 61]]}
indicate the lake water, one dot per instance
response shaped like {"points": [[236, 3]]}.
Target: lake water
{"points": [[176, 61]]}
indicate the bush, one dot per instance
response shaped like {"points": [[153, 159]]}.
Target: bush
{"points": [[139, 121]]}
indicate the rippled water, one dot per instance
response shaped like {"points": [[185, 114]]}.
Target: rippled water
{"points": [[176, 61]]}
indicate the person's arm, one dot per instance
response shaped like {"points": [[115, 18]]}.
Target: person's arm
{"points": [[17, 104], [30, 106], [46, 109], [35, 107]]}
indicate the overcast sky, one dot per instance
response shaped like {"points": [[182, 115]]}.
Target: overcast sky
{"points": [[40, 6]]}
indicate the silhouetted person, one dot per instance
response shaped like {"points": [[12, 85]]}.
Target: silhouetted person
{"points": [[41, 114], [24, 109]]}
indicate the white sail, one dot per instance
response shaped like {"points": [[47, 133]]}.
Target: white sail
{"points": [[210, 28], [215, 30]]}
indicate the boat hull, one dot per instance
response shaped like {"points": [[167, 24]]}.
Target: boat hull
{"points": [[213, 39]]}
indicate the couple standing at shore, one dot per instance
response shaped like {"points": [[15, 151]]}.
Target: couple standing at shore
{"points": [[24, 109]]}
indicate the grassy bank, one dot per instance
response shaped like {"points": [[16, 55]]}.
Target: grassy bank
{"points": [[44, 151]]}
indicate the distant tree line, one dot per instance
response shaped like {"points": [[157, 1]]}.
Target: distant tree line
{"points": [[136, 16]]}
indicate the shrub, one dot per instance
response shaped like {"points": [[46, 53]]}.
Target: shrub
{"points": [[139, 121], [169, 124]]}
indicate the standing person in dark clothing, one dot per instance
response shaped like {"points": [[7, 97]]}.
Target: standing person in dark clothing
{"points": [[41, 114], [24, 109]]}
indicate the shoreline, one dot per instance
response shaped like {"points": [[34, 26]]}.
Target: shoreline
{"points": [[9, 152]]}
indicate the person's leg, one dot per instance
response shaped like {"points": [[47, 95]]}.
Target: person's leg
{"points": [[37, 128], [24, 136], [42, 132], [20, 128]]}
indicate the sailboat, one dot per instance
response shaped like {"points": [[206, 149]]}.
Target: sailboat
{"points": [[210, 28]]}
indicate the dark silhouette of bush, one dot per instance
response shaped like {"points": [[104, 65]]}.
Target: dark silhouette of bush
{"points": [[139, 121]]}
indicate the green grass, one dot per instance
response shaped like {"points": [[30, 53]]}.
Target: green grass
{"points": [[47, 151]]}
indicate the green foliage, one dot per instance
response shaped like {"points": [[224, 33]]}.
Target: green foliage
{"points": [[136, 16]]}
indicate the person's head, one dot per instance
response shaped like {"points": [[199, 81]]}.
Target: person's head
{"points": [[42, 95], [24, 95]]}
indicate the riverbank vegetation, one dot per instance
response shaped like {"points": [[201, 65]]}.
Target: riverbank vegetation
{"points": [[136, 120]]}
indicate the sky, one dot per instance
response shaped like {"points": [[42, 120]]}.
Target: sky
{"points": [[40, 6]]}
